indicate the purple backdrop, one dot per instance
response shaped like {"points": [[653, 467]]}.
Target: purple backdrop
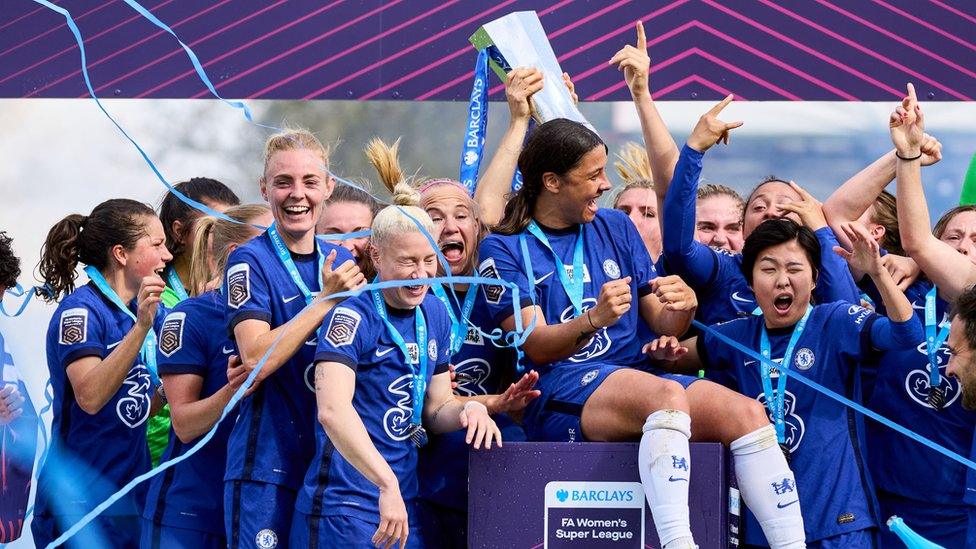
{"points": [[519, 491], [418, 50]]}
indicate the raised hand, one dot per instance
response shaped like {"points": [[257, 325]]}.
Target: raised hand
{"points": [[614, 302], [865, 254], [674, 293], [710, 130], [148, 300], [517, 396], [903, 270], [907, 125], [571, 87], [931, 150], [11, 404], [522, 84], [635, 63], [665, 348], [343, 278], [808, 208]]}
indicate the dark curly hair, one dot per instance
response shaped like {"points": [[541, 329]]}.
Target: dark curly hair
{"points": [[9, 263]]}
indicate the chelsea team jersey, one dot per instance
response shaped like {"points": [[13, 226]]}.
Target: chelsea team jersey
{"points": [[193, 340], [273, 439], [825, 437], [354, 335], [900, 394], [612, 249], [111, 444]]}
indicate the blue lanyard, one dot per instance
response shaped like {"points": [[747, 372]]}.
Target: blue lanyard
{"points": [[459, 326], [775, 401], [148, 350], [933, 341], [572, 285], [176, 284], [419, 385], [284, 256]]}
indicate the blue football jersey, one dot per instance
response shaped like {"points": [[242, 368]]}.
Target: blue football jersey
{"points": [[900, 393], [273, 440], [95, 454], [354, 334], [612, 249], [481, 367], [825, 437], [193, 341], [716, 274]]}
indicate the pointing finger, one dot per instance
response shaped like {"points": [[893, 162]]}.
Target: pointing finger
{"points": [[641, 37], [721, 104]]}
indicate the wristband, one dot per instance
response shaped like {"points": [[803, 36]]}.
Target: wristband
{"points": [[590, 320], [900, 157]]}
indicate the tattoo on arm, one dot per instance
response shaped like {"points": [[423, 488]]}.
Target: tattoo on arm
{"points": [[319, 375], [433, 417]]}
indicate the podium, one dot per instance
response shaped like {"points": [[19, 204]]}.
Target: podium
{"points": [[541, 495]]}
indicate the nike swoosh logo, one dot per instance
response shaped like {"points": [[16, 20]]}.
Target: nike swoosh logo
{"points": [[113, 345], [289, 299], [226, 350], [736, 297], [543, 277], [914, 306], [748, 362], [673, 479], [785, 505], [381, 354], [312, 342]]}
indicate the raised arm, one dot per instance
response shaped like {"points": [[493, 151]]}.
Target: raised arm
{"points": [[254, 337], [662, 152], [95, 380], [496, 182], [948, 269], [685, 256]]}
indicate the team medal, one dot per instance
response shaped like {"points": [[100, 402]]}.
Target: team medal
{"points": [[936, 398], [418, 435]]}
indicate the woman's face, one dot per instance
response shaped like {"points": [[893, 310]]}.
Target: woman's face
{"points": [[719, 222], [782, 280], [456, 227], [190, 234], [149, 254], [581, 187], [343, 218], [405, 256], [640, 205], [960, 233], [764, 204], [295, 184]]}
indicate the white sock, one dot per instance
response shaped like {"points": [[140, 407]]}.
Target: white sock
{"points": [[665, 467], [768, 487]]}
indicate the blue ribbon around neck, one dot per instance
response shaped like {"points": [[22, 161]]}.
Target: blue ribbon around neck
{"points": [[419, 369], [573, 285], [775, 401]]}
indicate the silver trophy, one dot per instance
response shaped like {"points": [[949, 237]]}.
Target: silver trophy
{"points": [[518, 40]]}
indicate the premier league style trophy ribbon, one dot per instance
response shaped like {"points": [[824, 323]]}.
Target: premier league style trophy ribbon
{"points": [[516, 40]]}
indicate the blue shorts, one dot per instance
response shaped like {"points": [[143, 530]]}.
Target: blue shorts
{"points": [[555, 416], [158, 536], [257, 514], [942, 524], [340, 532], [103, 531], [860, 539]]}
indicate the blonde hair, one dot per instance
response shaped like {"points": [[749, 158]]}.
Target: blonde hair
{"points": [[292, 139], [404, 215], [633, 167], [214, 238]]}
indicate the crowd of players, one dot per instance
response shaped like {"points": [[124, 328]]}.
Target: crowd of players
{"points": [[356, 429]]}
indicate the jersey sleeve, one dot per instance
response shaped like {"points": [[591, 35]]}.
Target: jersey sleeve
{"points": [[80, 333], [850, 326], [686, 257], [714, 353], [443, 337], [182, 346], [247, 290], [498, 262], [344, 335], [835, 282]]}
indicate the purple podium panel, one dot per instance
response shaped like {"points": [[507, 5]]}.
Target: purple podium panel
{"points": [[534, 495]]}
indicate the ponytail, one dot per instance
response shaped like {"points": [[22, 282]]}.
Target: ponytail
{"points": [[59, 257], [200, 255], [213, 241]]}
